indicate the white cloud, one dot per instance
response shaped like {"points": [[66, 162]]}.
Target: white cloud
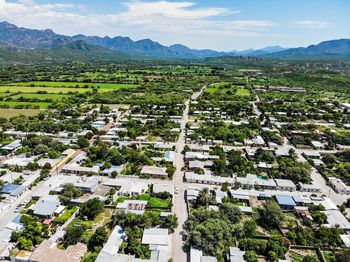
{"points": [[164, 21], [312, 24]]}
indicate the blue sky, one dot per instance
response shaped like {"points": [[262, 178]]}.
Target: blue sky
{"points": [[221, 25]]}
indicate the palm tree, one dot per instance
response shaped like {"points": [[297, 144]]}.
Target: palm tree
{"points": [[204, 197]]}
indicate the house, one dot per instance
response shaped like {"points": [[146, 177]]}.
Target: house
{"points": [[236, 255], [110, 250], [251, 181], [133, 206], [13, 145], [158, 188], [309, 188], [89, 185], [112, 169], [285, 185], [52, 162], [312, 154], [240, 195], [127, 188], [155, 236], [258, 140], [336, 218], [285, 202], [154, 171], [75, 168], [48, 252], [264, 166], [196, 255], [346, 240], [282, 152], [13, 189], [317, 145], [191, 177], [18, 161], [46, 206], [339, 186]]}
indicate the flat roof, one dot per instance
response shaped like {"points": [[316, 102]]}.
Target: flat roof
{"points": [[285, 200], [155, 236]]}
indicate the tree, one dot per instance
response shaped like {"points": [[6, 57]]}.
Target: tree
{"points": [[91, 208], [232, 212], [204, 197], [25, 244], [271, 214], [74, 234], [311, 259], [98, 239], [250, 256], [83, 142]]}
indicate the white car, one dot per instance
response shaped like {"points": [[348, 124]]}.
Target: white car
{"points": [[176, 191]]}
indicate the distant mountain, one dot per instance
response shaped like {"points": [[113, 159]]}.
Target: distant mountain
{"points": [[333, 49], [257, 52], [77, 50], [17, 43], [31, 38]]}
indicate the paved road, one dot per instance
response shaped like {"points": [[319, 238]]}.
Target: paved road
{"points": [[180, 205]]}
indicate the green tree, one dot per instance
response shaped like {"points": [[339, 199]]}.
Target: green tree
{"points": [[271, 214], [91, 208], [98, 239]]}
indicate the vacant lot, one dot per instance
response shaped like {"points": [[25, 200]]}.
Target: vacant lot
{"points": [[73, 85], [8, 113]]}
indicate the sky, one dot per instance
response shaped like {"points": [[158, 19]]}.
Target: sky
{"points": [[223, 25]]}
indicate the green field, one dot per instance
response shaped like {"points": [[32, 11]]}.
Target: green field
{"points": [[240, 91], [243, 92], [41, 96], [12, 104], [73, 85]]}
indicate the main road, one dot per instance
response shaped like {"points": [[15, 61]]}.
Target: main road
{"points": [[179, 203]]}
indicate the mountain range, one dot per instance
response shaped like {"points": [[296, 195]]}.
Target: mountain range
{"points": [[20, 44]]}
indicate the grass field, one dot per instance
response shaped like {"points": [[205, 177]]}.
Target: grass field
{"points": [[12, 104], [240, 91], [42, 96], [73, 85], [8, 113], [243, 92]]}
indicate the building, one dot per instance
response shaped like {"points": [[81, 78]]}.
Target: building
{"points": [[155, 236], [158, 188], [89, 185], [236, 255], [74, 168], [47, 206], [339, 186], [127, 188], [13, 145], [110, 250], [336, 218], [133, 206], [53, 162], [309, 188], [48, 252], [154, 171], [285, 185], [317, 145], [191, 177], [286, 202], [251, 181]]}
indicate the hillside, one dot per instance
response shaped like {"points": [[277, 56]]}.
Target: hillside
{"points": [[31, 38], [333, 49], [78, 50]]}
